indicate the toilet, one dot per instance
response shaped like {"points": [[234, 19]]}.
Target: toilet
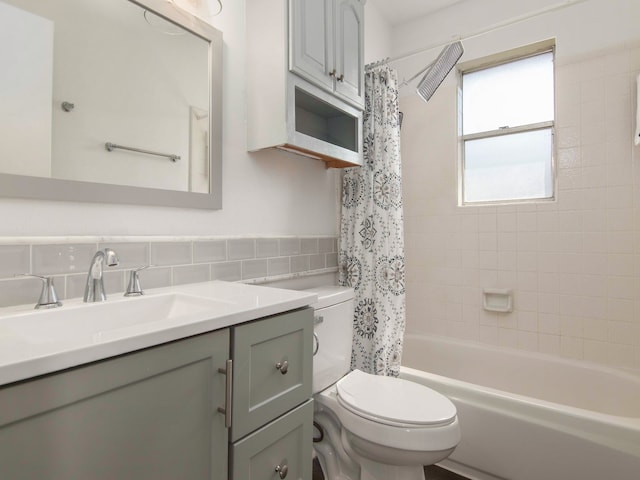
{"points": [[370, 427]]}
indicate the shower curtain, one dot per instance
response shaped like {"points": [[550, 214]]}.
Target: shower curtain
{"points": [[371, 232]]}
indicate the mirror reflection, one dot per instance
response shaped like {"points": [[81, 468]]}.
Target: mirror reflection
{"points": [[103, 92]]}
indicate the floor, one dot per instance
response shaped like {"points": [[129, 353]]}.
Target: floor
{"points": [[432, 472]]}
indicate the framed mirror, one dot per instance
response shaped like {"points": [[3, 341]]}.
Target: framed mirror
{"points": [[116, 101]]}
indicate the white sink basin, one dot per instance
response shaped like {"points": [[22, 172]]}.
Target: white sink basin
{"points": [[36, 342], [100, 322]]}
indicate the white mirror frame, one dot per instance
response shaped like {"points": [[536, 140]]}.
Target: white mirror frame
{"points": [[42, 188]]}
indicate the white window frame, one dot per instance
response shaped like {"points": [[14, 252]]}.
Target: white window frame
{"points": [[547, 46]]}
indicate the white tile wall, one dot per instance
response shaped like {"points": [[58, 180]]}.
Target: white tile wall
{"points": [[574, 264]]}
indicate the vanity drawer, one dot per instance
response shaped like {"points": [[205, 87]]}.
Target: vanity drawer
{"points": [[280, 449], [272, 369]]}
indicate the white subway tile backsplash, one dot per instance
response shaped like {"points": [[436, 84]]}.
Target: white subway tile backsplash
{"points": [[62, 258], [26, 290], [278, 266], [173, 262], [191, 274], [241, 248], [170, 253], [331, 260], [267, 247], [228, 271], [289, 246], [113, 284], [309, 246], [14, 260], [317, 262], [254, 269], [209, 251], [155, 277], [131, 255], [300, 263]]}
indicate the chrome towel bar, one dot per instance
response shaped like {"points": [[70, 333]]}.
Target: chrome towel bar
{"points": [[112, 146]]}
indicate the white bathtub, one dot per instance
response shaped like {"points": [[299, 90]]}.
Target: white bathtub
{"points": [[530, 416]]}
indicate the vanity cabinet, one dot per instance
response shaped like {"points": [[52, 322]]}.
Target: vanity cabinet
{"points": [[278, 450], [305, 82], [272, 369], [160, 413], [272, 420], [147, 415], [326, 42]]}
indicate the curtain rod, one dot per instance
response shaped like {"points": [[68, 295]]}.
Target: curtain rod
{"points": [[495, 26]]}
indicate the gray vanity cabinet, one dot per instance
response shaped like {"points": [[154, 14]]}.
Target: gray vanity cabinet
{"points": [[272, 424], [150, 414], [272, 369], [278, 450], [154, 414]]}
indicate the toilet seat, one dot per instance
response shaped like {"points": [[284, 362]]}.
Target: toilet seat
{"points": [[394, 401], [428, 437]]}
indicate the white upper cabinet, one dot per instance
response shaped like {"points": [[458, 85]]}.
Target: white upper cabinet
{"points": [[305, 78], [326, 45]]}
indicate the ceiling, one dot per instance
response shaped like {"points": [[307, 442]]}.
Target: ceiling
{"points": [[401, 11]]}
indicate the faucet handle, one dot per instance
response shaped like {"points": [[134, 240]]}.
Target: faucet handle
{"points": [[48, 296], [133, 288]]}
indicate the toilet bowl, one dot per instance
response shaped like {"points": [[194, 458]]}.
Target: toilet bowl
{"points": [[371, 427]]}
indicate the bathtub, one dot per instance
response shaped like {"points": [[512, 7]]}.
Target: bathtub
{"points": [[527, 416]]}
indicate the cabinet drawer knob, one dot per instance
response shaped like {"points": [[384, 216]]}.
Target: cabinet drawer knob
{"points": [[332, 73], [283, 367], [282, 470], [340, 78]]}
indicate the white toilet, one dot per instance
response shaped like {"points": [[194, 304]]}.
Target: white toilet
{"points": [[370, 427]]}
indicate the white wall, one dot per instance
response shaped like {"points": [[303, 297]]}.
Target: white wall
{"points": [[377, 35], [574, 264], [270, 192]]}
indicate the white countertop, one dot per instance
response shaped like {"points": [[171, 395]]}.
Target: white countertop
{"points": [[36, 342]]}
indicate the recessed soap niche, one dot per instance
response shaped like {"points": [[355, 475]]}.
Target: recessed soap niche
{"points": [[497, 300]]}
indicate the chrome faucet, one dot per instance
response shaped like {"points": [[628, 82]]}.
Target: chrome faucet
{"points": [[94, 290]]}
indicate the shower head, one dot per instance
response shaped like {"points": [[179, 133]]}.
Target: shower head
{"points": [[438, 70]]}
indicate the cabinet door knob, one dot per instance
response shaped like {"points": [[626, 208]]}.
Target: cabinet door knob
{"points": [[332, 73], [283, 367], [282, 470], [340, 78]]}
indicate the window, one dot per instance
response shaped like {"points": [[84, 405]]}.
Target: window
{"points": [[507, 130]]}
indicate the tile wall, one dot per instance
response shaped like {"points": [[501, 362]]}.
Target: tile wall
{"points": [[174, 262], [573, 264]]}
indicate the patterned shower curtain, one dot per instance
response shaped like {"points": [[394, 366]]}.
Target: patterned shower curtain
{"points": [[371, 232]]}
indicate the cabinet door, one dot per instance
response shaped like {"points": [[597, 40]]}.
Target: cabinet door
{"points": [[150, 415], [349, 31], [311, 41], [285, 443], [264, 386]]}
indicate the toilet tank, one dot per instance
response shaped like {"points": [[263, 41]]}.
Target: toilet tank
{"points": [[333, 335]]}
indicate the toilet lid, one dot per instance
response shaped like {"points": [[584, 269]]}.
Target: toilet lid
{"points": [[394, 400]]}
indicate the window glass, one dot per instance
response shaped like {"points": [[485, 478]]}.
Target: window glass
{"points": [[509, 167], [507, 131], [512, 94]]}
